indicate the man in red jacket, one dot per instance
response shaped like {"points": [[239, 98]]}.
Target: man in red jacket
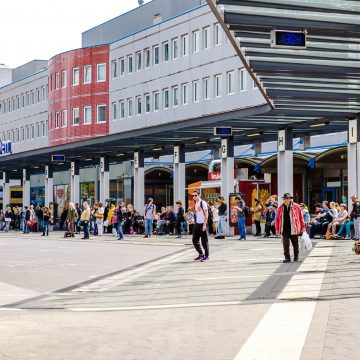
{"points": [[290, 224]]}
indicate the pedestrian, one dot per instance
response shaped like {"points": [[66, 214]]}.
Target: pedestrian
{"points": [[270, 221], [180, 218], [355, 216], [256, 216], [8, 218], [290, 224], [85, 218], [149, 215], [46, 220], [240, 208], [99, 218], [190, 220], [216, 218], [120, 220], [72, 217], [221, 229], [199, 231], [78, 211], [27, 218]]}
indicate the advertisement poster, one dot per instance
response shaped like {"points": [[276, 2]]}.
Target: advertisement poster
{"points": [[232, 206], [62, 197], [87, 192]]}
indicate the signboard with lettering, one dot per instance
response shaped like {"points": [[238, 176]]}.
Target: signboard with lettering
{"points": [[5, 147]]}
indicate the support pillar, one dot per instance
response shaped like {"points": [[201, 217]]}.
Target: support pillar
{"points": [[104, 179], [258, 149], [6, 190], [285, 163], [75, 182], [26, 187], [179, 175], [353, 160], [227, 176], [49, 184], [139, 181]]}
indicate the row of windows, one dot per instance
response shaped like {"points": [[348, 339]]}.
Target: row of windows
{"points": [[25, 133], [59, 119], [180, 94], [56, 81], [28, 98], [168, 50]]}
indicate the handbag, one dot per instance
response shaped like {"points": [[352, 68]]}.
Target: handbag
{"points": [[328, 235]]}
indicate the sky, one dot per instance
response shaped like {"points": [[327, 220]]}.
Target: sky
{"points": [[40, 29]]}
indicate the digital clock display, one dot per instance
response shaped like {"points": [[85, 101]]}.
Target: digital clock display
{"points": [[288, 39]]}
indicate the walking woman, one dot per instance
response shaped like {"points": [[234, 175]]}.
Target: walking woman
{"points": [[85, 218], [257, 210], [99, 218], [72, 217], [46, 220], [221, 230], [180, 218], [8, 218]]}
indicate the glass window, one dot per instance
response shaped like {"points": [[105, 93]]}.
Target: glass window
{"points": [[196, 91], [64, 78], [147, 58], [166, 98], [38, 96], [57, 81], [17, 135], [130, 64], [75, 76], [206, 37], [185, 45], [196, 41], [114, 69], [32, 98], [138, 105], [175, 48], [166, 51], [87, 115], [217, 34], [101, 72], [87, 74], [230, 83], [122, 67], [156, 52], [217, 85], [113, 111], [43, 96], [147, 103], [32, 132], [175, 96], [130, 107], [57, 120], [101, 113], [206, 88], [43, 129], [122, 109], [64, 118], [242, 80], [76, 119], [185, 94], [138, 61], [156, 101], [22, 134]]}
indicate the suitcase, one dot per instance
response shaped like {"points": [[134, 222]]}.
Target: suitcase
{"points": [[69, 234]]}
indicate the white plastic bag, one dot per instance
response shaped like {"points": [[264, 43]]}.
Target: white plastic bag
{"points": [[307, 242]]}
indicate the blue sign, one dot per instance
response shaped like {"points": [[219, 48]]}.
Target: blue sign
{"points": [[58, 158], [5, 147], [288, 39], [311, 164], [223, 131]]}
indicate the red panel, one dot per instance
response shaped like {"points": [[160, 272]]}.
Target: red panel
{"points": [[92, 94]]}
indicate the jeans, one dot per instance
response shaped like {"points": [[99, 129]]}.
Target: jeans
{"points": [[242, 227], [148, 226], [7, 225], [221, 230], [86, 230], [95, 228], [119, 230], [357, 228], [345, 226], [45, 227], [26, 227]]}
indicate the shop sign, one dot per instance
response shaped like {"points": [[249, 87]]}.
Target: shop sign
{"points": [[5, 147], [213, 176]]}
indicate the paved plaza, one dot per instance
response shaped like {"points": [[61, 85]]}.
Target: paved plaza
{"points": [[146, 299]]}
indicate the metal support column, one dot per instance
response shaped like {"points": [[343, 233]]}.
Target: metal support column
{"points": [[139, 181], [227, 176], [353, 160], [26, 187], [49, 184], [285, 163], [75, 181], [104, 179], [179, 175], [6, 190]]}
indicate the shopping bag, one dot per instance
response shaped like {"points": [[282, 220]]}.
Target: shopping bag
{"points": [[114, 232], [307, 242]]}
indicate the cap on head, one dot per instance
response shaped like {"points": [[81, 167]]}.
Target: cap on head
{"points": [[287, 196]]}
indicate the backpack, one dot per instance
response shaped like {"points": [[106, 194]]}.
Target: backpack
{"points": [[246, 209], [210, 213]]}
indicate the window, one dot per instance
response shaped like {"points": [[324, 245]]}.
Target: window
{"points": [[122, 109], [156, 101], [75, 76], [242, 80], [166, 98], [147, 103], [76, 119], [130, 64], [43, 95], [175, 96], [206, 86], [196, 41], [114, 69], [22, 134], [32, 98], [57, 120], [166, 51], [175, 49], [185, 94], [43, 129], [101, 113], [230, 83], [196, 86], [217, 85], [32, 132], [130, 107], [206, 37], [22, 101], [138, 105], [17, 135], [122, 67], [147, 58], [217, 34], [64, 78], [138, 61], [101, 72], [185, 45], [27, 99], [38, 96], [87, 115], [57, 81], [87, 74], [156, 55], [64, 118], [38, 134], [113, 111]]}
